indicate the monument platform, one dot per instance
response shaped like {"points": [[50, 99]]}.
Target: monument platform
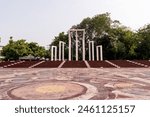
{"points": [[77, 64]]}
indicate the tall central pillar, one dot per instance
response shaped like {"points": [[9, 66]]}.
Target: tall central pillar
{"points": [[76, 43]]}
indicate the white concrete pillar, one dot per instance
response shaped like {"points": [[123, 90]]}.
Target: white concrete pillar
{"points": [[91, 43], [52, 58], [63, 55], [53, 52], [70, 46], [76, 45], [93, 51], [61, 50], [89, 50], [83, 43], [83, 46], [101, 52], [97, 53]]}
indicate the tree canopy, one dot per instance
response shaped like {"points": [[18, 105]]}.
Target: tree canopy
{"points": [[118, 41], [15, 49]]}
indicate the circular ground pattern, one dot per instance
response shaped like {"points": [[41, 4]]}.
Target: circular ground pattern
{"points": [[48, 90], [75, 84]]}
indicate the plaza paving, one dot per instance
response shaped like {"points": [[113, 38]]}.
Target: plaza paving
{"points": [[75, 83]]}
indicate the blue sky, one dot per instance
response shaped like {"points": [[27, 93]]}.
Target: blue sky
{"points": [[41, 20]]}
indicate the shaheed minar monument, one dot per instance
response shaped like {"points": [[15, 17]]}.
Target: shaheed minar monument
{"points": [[74, 33]]}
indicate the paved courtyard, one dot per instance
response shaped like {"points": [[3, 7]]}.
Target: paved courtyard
{"points": [[75, 83]]}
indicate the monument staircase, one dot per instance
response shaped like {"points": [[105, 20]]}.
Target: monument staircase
{"points": [[76, 64]]}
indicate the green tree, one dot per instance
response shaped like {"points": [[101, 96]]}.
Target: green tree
{"points": [[15, 49], [36, 50], [143, 49], [126, 41]]}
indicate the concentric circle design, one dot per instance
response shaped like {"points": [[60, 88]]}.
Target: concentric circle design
{"points": [[48, 90]]}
